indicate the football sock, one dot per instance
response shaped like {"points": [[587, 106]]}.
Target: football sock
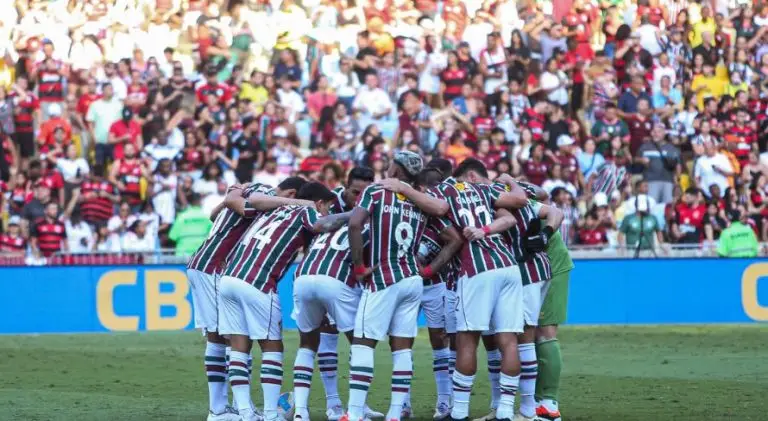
{"points": [[239, 381], [494, 369], [302, 378], [271, 381], [402, 372], [550, 365], [528, 370], [328, 363], [508, 386], [360, 378], [440, 366], [452, 362], [225, 394], [462, 387], [216, 370]]}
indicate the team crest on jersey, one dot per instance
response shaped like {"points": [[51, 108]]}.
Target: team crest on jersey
{"points": [[400, 196], [460, 186]]}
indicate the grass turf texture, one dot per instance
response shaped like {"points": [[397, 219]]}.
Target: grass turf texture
{"points": [[611, 373]]}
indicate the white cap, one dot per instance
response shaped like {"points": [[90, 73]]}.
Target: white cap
{"points": [[600, 199], [565, 140], [14, 220], [642, 203], [280, 132], [54, 109]]}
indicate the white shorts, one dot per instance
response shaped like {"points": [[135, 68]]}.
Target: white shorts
{"points": [[316, 295], [392, 311], [533, 297], [450, 311], [205, 300], [247, 311], [433, 305], [492, 300]]}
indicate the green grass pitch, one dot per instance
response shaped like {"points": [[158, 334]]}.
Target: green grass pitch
{"points": [[611, 373]]}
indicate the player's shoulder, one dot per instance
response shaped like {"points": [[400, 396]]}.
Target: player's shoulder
{"points": [[257, 187]]}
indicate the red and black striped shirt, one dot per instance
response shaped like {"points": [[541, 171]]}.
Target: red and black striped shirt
{"points": [[129, 173], [453, 80], [25, 114], [50, 235], [50, 86], [9, 244], [96, 209]]}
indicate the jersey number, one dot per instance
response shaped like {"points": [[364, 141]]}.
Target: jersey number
{"points": [[262, 232], [403, 238], [481, 213], [339, 240]]}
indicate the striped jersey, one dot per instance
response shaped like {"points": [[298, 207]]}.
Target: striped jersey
{"points": [[227, 229], [396, 229], [338, 205], [430, 247], [329, 255], [471, 205], [270, 245], [533, 267]]}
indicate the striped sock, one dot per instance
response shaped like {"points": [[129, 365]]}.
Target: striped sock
{"points": [[328, 363], [402, 372], [508, 386], [462, 388], [360, 378], [303, 367], [528, 371], [216, 370], [225, 395], [440, 366], [452, 362], [271, 381], [494, 368], [239, 381]]}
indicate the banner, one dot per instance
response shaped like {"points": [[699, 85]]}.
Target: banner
{"points": [[74, 299]]}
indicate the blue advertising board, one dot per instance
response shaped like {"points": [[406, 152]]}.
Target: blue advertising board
{"points": [[145, 298]]}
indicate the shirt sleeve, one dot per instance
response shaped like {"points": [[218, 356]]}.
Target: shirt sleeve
{"points": [[309, 217], [366, 200], [723, 245]]}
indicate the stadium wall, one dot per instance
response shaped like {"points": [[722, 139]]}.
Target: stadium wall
{"points": [[144, 298]]}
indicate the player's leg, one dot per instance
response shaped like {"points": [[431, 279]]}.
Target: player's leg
{"points": [[309, 313], [265, 325], [450, 330], [507, 322], [205, 304], [371, 322], [328, 363], [550, 361], [473, 316], [233, 323], [433, 305], [532, 294], [402, 330]]}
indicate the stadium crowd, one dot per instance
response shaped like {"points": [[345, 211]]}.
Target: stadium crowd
{"points": [[118, 116]]}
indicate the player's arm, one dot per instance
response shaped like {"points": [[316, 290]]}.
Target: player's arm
{"points": [[264, 202], [451, 244], [215, 213], [331, 223], [429, 204], [356, 243], [531, 190], [515, 198], [553, 217], [503, 221]]}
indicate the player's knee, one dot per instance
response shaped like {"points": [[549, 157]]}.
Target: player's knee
{"points": [[271, 346], [528, 336], [398, 344], [437, 338], [489, 342], [546, 333], [310, 340], [215, 338]]}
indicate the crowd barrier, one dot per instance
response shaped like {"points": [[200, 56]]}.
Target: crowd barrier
{"points": [[62, 299]]}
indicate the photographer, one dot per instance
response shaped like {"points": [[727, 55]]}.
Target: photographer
{"points": [[641, 230], [661, 164]]}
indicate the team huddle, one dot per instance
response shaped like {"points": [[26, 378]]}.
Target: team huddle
{"points": [[481, 259]]}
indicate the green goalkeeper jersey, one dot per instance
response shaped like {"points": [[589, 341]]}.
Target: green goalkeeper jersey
{"points": [[559, 258]]}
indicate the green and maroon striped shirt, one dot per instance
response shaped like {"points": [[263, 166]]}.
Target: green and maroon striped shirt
{"points": [[396, 227], [533, 267], [270, 245], [472, 205], [227, 229]]}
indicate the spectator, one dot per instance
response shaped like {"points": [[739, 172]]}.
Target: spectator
{"points": [[190, 228], [125, 131], [105, 241], [662, 164], [78, 234], [589, 159], [164, 190], [688, 224], [119, 224], [101, 114], [712, 168], [97, 197], [371, 101], [137, 239], [629, 100], [48, 235], [12, 242]]}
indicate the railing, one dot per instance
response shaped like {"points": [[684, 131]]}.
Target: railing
{"points": [[168, 256]]}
